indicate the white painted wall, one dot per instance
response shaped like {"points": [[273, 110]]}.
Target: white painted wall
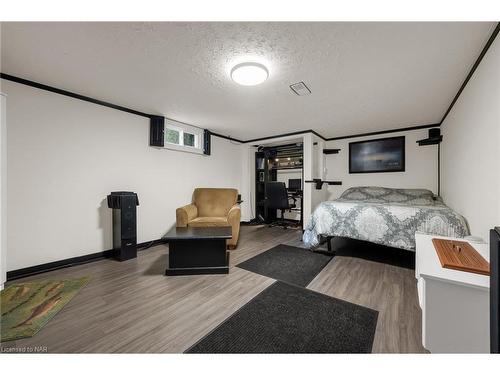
{"points": [[66, 155], [470, 148], [308, 166], [318, 195], [247, 183], [420, 170], [3, 190]]}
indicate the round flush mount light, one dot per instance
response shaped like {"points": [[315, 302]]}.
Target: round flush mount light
{"points": [[249, 74]]}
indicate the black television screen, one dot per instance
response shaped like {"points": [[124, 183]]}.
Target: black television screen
{"points": [[377, 155]]}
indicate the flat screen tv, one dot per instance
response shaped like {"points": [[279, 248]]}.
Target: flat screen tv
{"points": [[377, 155]]}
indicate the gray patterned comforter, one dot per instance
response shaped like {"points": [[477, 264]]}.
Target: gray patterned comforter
{"points": [[385, 216]]}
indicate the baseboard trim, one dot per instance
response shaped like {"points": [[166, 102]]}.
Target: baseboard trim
{"points": [[70, 262]]}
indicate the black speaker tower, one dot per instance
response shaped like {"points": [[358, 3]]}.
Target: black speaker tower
{"points": [[124, 205]]}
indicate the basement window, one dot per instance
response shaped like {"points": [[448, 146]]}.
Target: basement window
{"points": [[189, 139], [183, 137], [172, 136]]}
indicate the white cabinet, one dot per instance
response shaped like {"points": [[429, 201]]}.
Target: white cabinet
{"points": [[455, 304], [3, 191]]}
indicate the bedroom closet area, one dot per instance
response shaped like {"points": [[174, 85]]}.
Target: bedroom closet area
{"points": [[279, 183]]}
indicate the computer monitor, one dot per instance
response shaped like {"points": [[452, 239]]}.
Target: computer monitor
{"points": [[294, 184]]}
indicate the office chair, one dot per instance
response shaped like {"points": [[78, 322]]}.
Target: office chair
{"points": [[277, 198]]}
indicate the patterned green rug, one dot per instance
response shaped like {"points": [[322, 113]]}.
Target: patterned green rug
{"points": [[27, 307]]}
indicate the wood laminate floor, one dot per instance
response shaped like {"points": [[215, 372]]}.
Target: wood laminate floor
{"points": [[132, 307]]}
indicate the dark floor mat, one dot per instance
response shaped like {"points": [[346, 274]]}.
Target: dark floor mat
{"points": [[288, 319], [287, 263]]}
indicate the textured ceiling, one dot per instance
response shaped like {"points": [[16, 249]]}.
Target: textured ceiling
{"points": [[363, 76]]}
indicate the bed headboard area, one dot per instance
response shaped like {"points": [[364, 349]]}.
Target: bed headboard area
{"points": [[378, 194]]}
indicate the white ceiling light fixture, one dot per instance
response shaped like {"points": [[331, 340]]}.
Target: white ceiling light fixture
{"points": [[249, 74]]}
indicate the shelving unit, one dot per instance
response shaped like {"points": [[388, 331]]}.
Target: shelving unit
{"points": [[430, 141], [261, 175], [319, 182]]}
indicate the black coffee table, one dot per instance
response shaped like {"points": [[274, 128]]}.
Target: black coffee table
{"points": [[197, 251]]}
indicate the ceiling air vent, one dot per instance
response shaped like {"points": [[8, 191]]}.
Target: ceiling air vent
{"points": [[300, 89]]}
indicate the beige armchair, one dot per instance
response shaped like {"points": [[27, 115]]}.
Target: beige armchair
{"points": [[212, 207]]}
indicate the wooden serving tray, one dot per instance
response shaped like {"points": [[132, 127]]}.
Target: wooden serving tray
{"points": [[461, 256]]}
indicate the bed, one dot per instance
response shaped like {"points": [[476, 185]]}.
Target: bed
{"points": [[384, 216]]}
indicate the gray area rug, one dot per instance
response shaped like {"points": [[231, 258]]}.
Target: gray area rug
{"points": [[287, 263], [288, 319]]}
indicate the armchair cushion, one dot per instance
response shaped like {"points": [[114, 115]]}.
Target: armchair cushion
{"points": [[204, 221]]}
